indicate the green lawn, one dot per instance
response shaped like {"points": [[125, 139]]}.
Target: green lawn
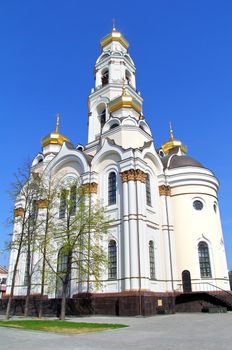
{"points": [[60, 326]]}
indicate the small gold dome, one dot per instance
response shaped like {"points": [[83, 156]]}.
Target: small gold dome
{"points": [[114, 36], [173, 143], [124, 101], [55, 137]]}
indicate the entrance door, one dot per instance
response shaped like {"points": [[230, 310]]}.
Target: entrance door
{"points": [[186, 280]]}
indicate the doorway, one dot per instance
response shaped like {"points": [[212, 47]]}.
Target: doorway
{"points": [[186, 281]]}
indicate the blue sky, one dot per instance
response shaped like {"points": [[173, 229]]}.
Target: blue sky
{"points": [[182, 51]]}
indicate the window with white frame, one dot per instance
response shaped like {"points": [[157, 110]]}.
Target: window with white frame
{"points": [[152, 260], [112, 260], [112, 188], [148, 190], [204, 260]]}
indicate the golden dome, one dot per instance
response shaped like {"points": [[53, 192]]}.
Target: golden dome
{"points": [[114, 36], [173, 143], [55, 138], [124, 101]]}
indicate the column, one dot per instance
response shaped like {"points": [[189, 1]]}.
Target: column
{"points": [[168, 239], [125, 238], [134, 259], [142, 229]]}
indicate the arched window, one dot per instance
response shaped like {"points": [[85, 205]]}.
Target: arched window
{"points": [[128, 77], [112, 260], [148, 190], [112, 188], [204, 260], [73, 200], [113, 126], [152, 260], [34, 211], [105, 77], [63, 203], [62, 265], [102, 118]]}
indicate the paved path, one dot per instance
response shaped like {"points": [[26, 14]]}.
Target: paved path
{"points": [[174, 332]]}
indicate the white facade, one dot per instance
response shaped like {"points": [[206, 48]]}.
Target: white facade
{"points": [[165, 210]]}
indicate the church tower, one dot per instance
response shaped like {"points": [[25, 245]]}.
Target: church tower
{"points": [[114, 97]]}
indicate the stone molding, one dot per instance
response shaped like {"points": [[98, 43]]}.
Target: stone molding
{"points": [[42, 203], [164, 190], [89, 188], [18, 212], [133, 175]]}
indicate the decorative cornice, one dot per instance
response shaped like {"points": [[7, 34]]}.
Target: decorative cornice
{"points": [[18, 212], [133, 175], [42, 203], [164, 190], [89, 188]]}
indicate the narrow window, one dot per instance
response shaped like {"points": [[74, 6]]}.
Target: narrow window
{"points": [[62, 266], [112, 260], [105, 77], [112, 188], [34, 211], [63, 203], [103, 118], [152, 260], [148, 190], [73, 200], [27, 270], [204, 260], [128, 77]]}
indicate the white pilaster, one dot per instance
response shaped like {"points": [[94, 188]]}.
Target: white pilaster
{"points": [[134, 263], [126, 242]]}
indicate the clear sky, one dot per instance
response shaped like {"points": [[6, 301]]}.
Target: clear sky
{"points": [[183, 54]]}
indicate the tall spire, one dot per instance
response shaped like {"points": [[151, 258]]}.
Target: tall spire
{"points": [[57, 122], [113, 25], [171, 132]]}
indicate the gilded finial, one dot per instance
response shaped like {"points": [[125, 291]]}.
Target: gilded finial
{"points": [[57, 122], [113, 25], [171, 131]]}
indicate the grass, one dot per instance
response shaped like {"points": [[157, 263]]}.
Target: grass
{"points": [[57, 326]]}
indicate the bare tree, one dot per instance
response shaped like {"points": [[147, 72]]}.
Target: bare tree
{"points": [[47, 202], [24, 191], [78, 234]]}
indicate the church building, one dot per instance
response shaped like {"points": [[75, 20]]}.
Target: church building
{"points": [[166, 236]]}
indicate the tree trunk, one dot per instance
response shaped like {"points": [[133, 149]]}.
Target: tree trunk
{"points": [[43, 267], [28, 276], [63, 306], [42, 292], [27, 301], [13, 282]]}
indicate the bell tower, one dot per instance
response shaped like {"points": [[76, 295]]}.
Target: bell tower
{"points": [[114, 73]]}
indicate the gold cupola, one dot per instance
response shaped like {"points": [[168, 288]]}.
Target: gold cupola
{"points": [[168, 146], [114, 36], [55, 137], [124, 101]]}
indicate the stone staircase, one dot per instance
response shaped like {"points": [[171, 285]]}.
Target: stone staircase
{"points": [[217, 300]]}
